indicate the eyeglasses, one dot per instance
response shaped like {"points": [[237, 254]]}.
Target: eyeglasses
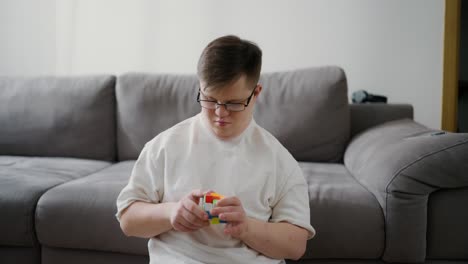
{"points": [[233, 107]]}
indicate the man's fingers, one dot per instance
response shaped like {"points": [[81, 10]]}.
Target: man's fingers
{"points": [[209, 191], [182, 228], [191, 220], [193, 208], [225, 209], [232, 200], [197, 193], [183, 216], [185, 226], [232, 217], [194, 220]]}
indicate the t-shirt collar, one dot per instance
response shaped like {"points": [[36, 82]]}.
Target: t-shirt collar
{"points": [[232, 141]]}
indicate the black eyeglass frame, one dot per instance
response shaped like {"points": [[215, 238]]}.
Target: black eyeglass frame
{"points": [[226, 104]]}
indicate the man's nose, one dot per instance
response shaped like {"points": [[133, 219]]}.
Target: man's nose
{"points": [[221, 110]]}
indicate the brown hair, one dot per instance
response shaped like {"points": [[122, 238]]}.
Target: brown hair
{"points": [[226, 59]]}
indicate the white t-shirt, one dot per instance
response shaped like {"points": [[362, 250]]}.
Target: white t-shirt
{"points": [[254, 166]]}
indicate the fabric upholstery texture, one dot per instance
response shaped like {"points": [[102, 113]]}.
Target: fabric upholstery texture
{"points": [[150, 103], [364, 116], [307, 110], [401, 163], [22, 182], [86, 209], [348, 219], [400, 195], [366, 261], [58, 116], [71, 256], [447, 218], [20, 255]]}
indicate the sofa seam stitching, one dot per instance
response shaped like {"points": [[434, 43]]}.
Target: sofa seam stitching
{"points": [[398, 172], [383, 213], [405, 167]]}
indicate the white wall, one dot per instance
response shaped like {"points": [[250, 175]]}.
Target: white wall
{"points": [[27, 37], [390, 47]]}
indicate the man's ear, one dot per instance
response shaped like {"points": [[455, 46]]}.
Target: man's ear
{"points": [[258, 90], [201, 85]]}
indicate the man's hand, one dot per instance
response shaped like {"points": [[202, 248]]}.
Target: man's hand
{"points": [[230, 210], [187, 216]]}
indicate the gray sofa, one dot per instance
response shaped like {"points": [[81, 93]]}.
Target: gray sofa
{"points": [[382, 187]]}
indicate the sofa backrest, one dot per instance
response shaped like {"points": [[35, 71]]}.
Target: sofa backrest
{"points": [[148, 104], [58, 116], [368, 115], [307, 110]]}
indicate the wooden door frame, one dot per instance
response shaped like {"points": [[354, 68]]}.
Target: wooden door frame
{"points": [[451, 65]]}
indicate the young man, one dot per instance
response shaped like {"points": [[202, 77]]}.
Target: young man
{"points": [[266, 203]]}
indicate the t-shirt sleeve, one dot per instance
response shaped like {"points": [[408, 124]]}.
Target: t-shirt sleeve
{"points": [[146, 182], [292, 204]]}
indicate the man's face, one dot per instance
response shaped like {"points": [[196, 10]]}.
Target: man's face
{"points": [[224, 123]]}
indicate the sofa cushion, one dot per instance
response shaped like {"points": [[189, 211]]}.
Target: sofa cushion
{"points": [[58, 116], [22, 181], [348, 219], [86, 208], [148, 104], [307, 110]]}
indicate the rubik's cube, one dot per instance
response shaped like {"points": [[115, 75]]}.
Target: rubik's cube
{"points": [[208, 202]]}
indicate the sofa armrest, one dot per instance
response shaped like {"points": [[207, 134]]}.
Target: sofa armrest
{"points": [[365, 116], [402, 163]]}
